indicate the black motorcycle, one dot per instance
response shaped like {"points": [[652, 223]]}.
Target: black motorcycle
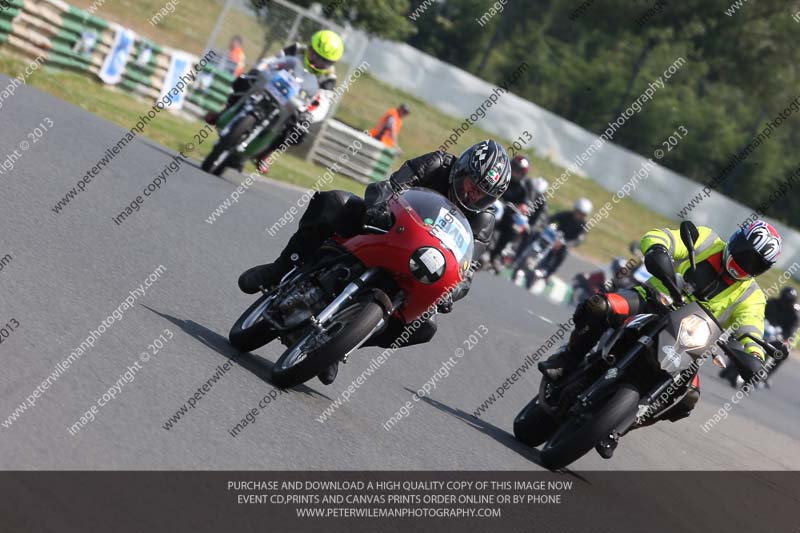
{"points": [[621, 384]]}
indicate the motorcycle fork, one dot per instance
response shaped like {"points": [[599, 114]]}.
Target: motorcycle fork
{"points": [[389, 308], [345, 296], [256, 133], [601, 387]]}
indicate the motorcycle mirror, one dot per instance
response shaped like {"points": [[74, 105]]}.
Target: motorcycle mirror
{"points": [[689, 234]]}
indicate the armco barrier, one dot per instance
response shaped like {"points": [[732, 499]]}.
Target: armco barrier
{"points": [[370, 161]]}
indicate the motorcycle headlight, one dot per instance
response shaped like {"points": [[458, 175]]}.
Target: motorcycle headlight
{"points": [[693, 332], [427, 264]]}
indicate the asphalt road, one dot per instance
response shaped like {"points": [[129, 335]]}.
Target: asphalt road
{"points": [[69, 271]]}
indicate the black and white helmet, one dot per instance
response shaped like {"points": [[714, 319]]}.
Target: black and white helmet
{"points": [[480, 176], [789, 295]]}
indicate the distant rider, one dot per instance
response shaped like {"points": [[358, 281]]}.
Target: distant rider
{"points": [[319, 57], [521, 190], [782, 312], [571, 225]]}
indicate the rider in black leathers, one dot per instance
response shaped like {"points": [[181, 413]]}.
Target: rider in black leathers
{"points": [[521, 190], [472, 181], [783, 312], [572, 225]]}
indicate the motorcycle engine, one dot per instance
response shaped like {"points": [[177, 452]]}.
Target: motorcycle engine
{"points": [[304, 301]]}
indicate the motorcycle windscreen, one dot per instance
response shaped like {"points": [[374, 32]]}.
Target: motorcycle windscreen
{"points": [[447, 222], [309, 86], [290, 82]]}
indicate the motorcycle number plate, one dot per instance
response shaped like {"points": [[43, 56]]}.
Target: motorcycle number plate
{"points": [[282, 87], [452, 233]]}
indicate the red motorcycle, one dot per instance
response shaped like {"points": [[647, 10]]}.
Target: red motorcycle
{"points": [[327, 308]]}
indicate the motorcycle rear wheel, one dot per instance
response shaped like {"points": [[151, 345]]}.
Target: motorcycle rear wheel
{"points": [[347, 329], [576, 437]]}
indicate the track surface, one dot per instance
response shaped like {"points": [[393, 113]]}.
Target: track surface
{"points": [[71, 270]]}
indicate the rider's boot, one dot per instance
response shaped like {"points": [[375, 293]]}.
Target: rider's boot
{"points": [[329, 375], [561, 363], [607, 446], [304, 241], [263, 163], [587, 331]]}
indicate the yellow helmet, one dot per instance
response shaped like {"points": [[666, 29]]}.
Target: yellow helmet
{"points": [[325, 50]]}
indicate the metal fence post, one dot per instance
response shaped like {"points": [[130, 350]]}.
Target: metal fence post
{"points": [[218, 25]]}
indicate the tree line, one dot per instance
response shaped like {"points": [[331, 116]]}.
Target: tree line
{"points": [[589, 59]]}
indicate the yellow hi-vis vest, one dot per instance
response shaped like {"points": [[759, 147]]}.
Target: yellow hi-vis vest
{"points": [[739, 307]]}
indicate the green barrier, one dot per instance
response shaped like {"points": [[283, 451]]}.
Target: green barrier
{"points": [[70, 57], [83, 19], [5, 26], [65, 62], [9, 13], [65, 33], [222, 75]]}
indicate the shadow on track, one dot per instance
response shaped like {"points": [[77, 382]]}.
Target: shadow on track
{"points": [[171, 153], [255, 364], [501, 436]]}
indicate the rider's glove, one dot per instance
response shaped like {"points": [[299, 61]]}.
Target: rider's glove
{"points": [[378, 216], [783, 350], [659, 264]]}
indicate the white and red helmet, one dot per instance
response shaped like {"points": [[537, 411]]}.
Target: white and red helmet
{"points": [[751, 250], [519, 167]]}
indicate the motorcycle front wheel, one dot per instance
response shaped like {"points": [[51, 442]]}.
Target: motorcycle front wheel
{"points": [[532, 426], [251, 331], [222, 153], [320, 348], [578, 436]]}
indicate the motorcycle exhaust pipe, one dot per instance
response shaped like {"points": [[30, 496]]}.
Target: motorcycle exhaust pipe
{"points": [[345, 296]]}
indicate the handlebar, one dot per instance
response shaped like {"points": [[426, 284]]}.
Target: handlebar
{"points": [[772, 351], [749, 366]]}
